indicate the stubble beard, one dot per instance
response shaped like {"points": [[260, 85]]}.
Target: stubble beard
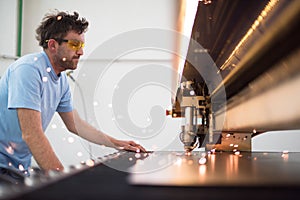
{"points": [[65, 63]]}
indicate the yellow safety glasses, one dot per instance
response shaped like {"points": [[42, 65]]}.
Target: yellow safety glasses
{"points": [[72, 44]]}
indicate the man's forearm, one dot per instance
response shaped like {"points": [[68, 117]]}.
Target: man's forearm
{"points": [[78, 126], [33, 135], [91, 134], [42, 152]]}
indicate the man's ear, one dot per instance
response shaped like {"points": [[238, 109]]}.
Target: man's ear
{"points": [[52, 45]]}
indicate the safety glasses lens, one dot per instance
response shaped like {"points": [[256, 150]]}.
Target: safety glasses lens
{"points": [[75, 44]]}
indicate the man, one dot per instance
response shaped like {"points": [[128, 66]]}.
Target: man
{"points": [[35, 87]]}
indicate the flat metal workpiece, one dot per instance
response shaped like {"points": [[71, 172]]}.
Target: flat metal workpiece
{"points": [[217, 169]]}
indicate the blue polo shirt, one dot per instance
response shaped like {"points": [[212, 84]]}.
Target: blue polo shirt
{"points": [[31, 83]]}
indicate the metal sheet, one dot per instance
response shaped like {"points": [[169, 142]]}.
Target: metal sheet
{"points": [[220, 169]]}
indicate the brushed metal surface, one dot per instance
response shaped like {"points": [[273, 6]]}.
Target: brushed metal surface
{"points": [[220, 169]]}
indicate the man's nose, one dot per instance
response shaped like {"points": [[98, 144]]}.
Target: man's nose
{"points": [[80, 51]]}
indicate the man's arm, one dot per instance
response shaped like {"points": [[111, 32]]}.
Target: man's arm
{"points": [[33, 135], [78, 126]]}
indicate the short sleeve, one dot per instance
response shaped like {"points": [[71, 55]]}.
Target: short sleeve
{"points": [[24, 88]]}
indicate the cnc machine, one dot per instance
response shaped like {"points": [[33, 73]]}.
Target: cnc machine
{"points": [[251, 85]]}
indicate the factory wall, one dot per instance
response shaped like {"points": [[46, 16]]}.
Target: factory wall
{"points": [[109, 21], [8, 42]]}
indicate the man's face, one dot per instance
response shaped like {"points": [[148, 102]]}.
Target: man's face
{"points": [[69, 51]]}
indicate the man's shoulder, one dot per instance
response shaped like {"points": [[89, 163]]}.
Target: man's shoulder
{"points": [[33, 61]]}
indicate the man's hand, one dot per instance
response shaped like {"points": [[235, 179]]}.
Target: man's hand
{"points": [[128, 146]]}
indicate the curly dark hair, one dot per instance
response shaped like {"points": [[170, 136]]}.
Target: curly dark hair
{"points": [[58, 25]]}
